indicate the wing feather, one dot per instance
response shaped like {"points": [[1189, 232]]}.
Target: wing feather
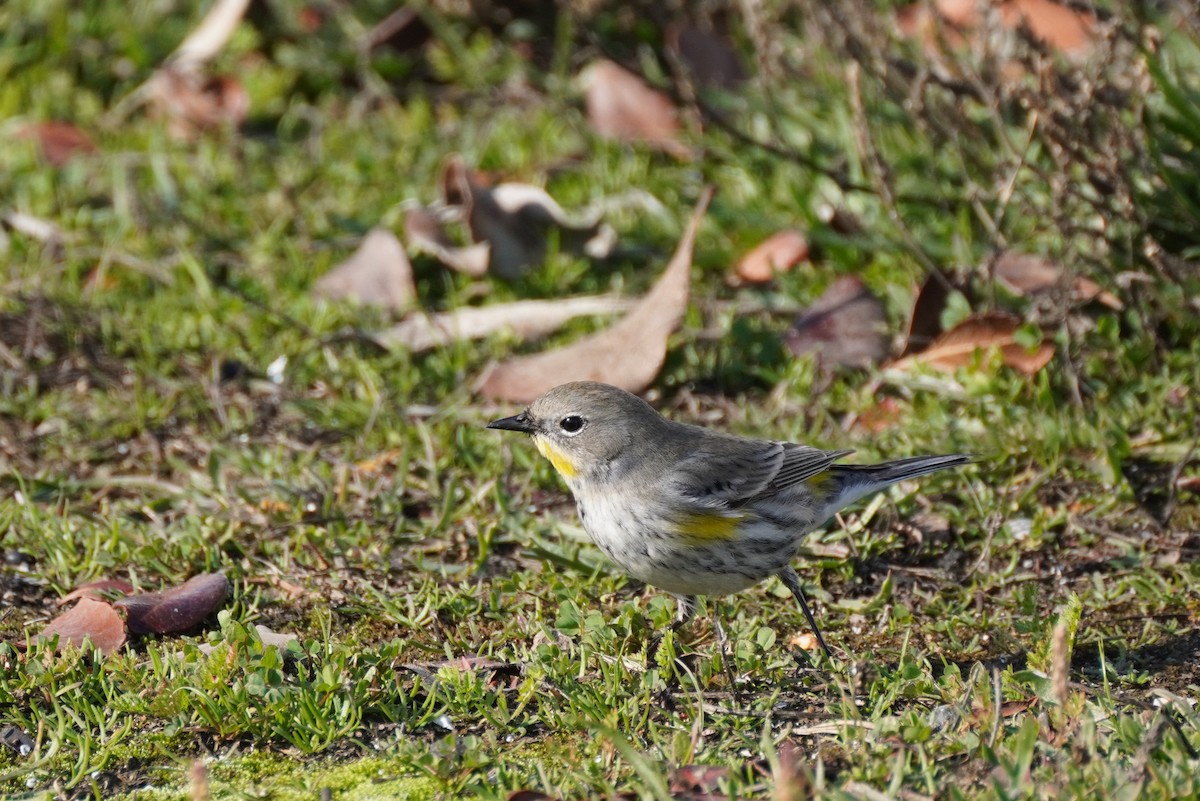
{"points": [[726, 473]]}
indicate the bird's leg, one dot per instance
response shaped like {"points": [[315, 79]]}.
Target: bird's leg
{"points": [[727, 657], [792, 582], [685, 610]]}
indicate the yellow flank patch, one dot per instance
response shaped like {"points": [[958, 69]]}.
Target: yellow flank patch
{"points": [[557, 458], [709, 525]]}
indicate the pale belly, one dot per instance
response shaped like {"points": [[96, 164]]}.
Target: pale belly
{"points": [[639, 545]]}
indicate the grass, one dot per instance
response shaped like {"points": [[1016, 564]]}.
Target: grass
{"points": [[360, 505]]}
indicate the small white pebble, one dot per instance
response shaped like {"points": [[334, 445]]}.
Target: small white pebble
{"points": [[275, 369]]}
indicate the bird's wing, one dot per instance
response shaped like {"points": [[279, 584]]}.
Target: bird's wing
{"points": [[729, 473], [801, 462]]}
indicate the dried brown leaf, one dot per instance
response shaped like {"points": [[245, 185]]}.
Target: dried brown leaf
{"points": [[985, 331], [708, 56], [88, 620], [58, 141], [97, 590], [621, 106], [192, 102], [525, 319], [960, 23], [377, 274], [628, 355], [926, 321], [515, 220], [176, 609], [844, 327], [426, 235], [1026, 274], [776, 254], [698, 782]]}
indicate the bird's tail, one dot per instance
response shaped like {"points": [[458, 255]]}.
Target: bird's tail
{"points": [[858, 481]]}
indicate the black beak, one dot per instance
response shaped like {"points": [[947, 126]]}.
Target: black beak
{"points": [[518, 422]]}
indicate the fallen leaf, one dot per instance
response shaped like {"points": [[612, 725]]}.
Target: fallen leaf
{"points": [[525, 319], [1058, 25], [621, 106], [377, 274], [531, 795], [1026, 274], [516, 220], [97, 590], [778, 253], [1010, 709], [880, 417], [985, 331], [209, 38], [698, 782], [88, 621], [280, 640], [176, 609], [426, 235], [960, 23], [708, 56], [192, 102], [926, 321], [628, 355], [58, 141], [180, 91], [844, 327]]}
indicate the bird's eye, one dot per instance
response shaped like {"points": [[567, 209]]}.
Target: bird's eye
{"points": [[572, 423]]}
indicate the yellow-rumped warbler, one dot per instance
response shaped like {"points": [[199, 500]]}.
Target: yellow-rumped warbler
{"points": [[689, 510]]}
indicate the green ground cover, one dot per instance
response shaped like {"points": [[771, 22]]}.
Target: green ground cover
{"points": [[455, 633]]}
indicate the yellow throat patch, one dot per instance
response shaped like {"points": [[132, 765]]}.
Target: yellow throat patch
{"points": [[557, 458]]}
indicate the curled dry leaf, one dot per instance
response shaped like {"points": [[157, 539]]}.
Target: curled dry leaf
{"points": [[845, 327], [708, 56], [181, 92], [58, 141], [926, 321], [278, 639], [97, 590], [698, 781], [88, 620], [961, 22], [525, 319], [776, 254], [377, 274], [515, 220], [1026, 274], [176, 609], [192, 102], [621, 106], [984, 331], [628, 355], [426, 235], [209, 37]]}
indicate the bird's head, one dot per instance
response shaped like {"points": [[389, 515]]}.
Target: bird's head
{"points": [[584, 426]]}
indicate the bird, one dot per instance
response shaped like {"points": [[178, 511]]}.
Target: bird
{"points": [[691, 510]]}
